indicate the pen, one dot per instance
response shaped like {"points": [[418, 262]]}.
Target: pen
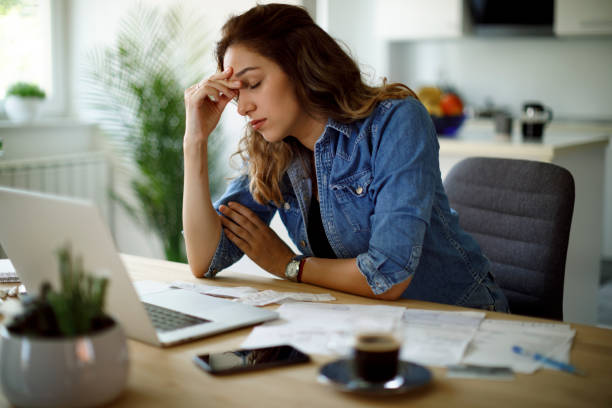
{"points": [[547, 360]]}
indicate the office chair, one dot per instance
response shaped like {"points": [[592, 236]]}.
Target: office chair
{"points": [[520, 212]]}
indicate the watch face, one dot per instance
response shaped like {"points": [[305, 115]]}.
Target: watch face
{"points": [[292, 270]]}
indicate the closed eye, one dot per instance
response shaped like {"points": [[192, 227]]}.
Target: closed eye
{"points": [[248, 86]]}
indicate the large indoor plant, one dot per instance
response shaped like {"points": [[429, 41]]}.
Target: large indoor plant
{"points": [[61, 349], [23, 101], [135, 89]]}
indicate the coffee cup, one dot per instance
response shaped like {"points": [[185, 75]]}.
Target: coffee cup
{"points": [[376, 356], [534, 118]]}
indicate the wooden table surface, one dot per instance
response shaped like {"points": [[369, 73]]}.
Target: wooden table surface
{"points": [[168, 377]]}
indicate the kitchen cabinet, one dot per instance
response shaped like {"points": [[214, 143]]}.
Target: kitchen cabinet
{"points": [[582, 152], [398, 20], [586, 17], [406, 20]]}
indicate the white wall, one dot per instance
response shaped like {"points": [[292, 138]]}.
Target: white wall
{"points": [[572, 75], [351, 22]]}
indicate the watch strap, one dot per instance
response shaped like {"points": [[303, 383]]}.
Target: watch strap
{"points": [[301, 269]]}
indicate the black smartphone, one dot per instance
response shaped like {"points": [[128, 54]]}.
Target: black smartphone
{"points": [[250, 359]]}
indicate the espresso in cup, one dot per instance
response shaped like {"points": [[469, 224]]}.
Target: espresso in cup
{"points": [[376, 356]]}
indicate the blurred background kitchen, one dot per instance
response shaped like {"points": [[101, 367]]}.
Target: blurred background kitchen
{"points": [[494, 56]]}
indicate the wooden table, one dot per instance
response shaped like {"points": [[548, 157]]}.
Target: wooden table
{"points": [[169, 378]]}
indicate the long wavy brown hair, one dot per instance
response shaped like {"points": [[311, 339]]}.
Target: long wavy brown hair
{"points": [[328, 84]]}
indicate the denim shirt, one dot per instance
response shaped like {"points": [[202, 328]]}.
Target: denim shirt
{"points": [[382, 202]]}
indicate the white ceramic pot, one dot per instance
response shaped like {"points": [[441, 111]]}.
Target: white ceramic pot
{"points": [[82, 371], [22, 110]]}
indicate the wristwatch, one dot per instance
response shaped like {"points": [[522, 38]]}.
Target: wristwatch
{"points": [[292, 270]]}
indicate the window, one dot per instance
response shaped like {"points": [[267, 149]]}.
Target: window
{"points": [[30, 31]]}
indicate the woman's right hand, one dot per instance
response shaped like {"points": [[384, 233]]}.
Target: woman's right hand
{"points": [[204, 103]]}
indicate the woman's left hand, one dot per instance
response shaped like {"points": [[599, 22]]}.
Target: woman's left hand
{"points": [[258, 241]]}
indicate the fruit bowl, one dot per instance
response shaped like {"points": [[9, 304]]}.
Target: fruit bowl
{"points": [[447, 126]]}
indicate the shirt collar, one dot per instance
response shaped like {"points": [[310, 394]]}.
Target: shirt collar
{"points": [[343, 128]]}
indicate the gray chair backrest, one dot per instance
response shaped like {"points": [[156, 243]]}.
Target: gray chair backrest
{"points": [[520, 212]]}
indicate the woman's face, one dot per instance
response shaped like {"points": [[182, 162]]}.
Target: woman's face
{"points": [[267, 96]]}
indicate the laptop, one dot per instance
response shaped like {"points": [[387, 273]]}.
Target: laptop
{"points": [[33, 226]]}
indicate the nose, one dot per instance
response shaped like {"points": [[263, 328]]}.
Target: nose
{"points": [[245, 105]]}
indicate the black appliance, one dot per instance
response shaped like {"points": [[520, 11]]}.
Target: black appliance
{"points": [[511, 18]]}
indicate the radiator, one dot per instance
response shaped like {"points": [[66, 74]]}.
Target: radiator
{"points": [[85, 175]]}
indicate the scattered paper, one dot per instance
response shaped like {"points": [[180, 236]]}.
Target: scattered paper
{"points": [[520, 325], [327, 329], [428, 337], [221, 291], [342, 316], [145, 287], [252, 296], [437, 338], [493, 342], [267, 297]]}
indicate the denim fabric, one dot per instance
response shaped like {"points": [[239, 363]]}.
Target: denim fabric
{"points": [[382, 202]]}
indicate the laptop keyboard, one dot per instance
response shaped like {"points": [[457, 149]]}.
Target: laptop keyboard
{"points": [[166, 320]]}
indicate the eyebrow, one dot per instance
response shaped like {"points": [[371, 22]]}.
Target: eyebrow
{"points": [[245, 70]]}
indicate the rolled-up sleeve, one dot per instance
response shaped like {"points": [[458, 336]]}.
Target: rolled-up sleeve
{"points": [[405, 168], [227, 253]]}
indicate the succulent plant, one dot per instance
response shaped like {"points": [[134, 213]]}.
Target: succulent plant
{"points": [[76, 309], [26, 90]]}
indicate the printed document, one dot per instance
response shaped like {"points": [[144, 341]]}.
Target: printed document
{"points": [[493, 342], [252, 296], [323, 328], [437, 338]]}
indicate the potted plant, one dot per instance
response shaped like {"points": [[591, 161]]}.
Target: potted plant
{"points": [[23, 101], [61, 349]]}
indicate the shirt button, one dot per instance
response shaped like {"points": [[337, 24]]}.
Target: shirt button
{"points": [[287, 206], [359, 190], [303, 244]]}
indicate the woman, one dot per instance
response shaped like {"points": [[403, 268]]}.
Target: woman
{"points": [[352, 169]]}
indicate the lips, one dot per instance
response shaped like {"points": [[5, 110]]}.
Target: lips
{"points": [[257, 123]]}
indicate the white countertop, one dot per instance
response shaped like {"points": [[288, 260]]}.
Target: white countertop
{"points": [[477, 138]]}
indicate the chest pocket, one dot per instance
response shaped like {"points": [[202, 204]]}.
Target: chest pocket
{"points": [[355, 203]]}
